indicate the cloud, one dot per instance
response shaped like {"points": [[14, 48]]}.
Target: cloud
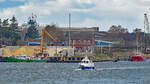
{"points": [[102, 24], [18, 0], [103, 13], [43, 9], [2, 1], [84, 1]]}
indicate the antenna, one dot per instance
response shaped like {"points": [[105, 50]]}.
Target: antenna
{"points": [[146, 30], [137, 45], [146, 24]]}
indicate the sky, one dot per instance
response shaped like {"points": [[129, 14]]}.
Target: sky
{"points": [[84, 13]]}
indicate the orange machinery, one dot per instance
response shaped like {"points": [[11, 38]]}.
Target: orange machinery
{"points": [[40, 52]]}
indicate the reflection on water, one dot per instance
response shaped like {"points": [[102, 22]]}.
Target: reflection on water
{"points": [[66, 73]]}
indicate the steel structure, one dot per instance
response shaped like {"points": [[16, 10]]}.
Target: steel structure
{"points": [[146, 24], [146, 33], [41, 50]]}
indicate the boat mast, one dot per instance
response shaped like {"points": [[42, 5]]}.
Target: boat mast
{"points": [[137, 50]]}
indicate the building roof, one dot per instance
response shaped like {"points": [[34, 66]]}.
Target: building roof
{"points": [[75, 33], [80, 35], [79, 29]]}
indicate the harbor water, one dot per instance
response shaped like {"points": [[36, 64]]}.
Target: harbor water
{"points": [[122, 72]]}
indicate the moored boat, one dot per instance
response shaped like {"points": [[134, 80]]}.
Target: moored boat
{"points": [[137, 57]]}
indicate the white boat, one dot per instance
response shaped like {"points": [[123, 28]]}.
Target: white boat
{"points": [[23, 56], [86, 64]]}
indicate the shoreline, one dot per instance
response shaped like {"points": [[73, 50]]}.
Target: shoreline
{"points": [[9, 59]]}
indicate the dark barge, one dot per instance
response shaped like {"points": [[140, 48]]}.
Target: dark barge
{"points": [[65, 59]]}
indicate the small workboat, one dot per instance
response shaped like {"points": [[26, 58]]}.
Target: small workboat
{"points": [[137, 57], [86, 64]]}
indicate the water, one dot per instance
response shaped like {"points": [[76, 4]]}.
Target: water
{"points": [[66, 73]]}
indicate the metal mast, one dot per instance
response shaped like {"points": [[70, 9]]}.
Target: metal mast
{"points": [[146, 24], [69, 38], [146, 30], [69, 28]]}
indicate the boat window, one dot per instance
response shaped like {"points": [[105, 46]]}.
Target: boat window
{"points": [[73, 58], [78, 58], [55, 58], [69, 58], [86, 61], [58, 58]]}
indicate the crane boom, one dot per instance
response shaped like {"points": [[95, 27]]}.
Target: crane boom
{"points": [[40, 51], [42, 37], [146, 32], [146, 24]]}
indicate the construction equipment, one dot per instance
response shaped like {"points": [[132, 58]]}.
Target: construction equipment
{"points": [[146, 34], [146, 24], [41, 52]]}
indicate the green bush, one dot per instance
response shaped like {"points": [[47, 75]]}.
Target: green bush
{"points": [[101, 55]]}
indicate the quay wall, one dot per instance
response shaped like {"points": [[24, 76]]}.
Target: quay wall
{"points": [[31, 50]]}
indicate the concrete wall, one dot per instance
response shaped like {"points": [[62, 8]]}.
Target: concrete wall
{"points": [[50, 50]]}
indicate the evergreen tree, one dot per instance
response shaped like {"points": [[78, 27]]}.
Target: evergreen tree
{"points": [[4, 30], [32, 32], [0, 23], [13, 31], [14, 25], [5, 23], [0, 32], [9, 33]]}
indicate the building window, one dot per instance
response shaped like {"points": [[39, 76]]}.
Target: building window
{"points": [[74, 41], [71, 41], [89, 42], [79, 41], [84, 42]]}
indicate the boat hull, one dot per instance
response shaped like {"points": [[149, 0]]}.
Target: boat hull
{"points": [[87, 68], [137, 58], [66, 60]]}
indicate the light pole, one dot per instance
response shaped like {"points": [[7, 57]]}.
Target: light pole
{"points": [[69, 34]]}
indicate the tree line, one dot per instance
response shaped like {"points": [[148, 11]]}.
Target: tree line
{"points": [[137, 38], [10, 32]]}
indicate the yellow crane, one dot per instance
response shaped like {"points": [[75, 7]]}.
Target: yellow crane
{"points": [[40, 52]]}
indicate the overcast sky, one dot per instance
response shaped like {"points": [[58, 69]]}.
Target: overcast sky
{"points": [[84, 13]]}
